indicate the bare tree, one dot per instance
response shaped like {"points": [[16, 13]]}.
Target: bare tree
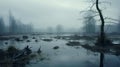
{"points": [[102, 34], [12, 24], [2, 26], [59, 29], [89, 23], [118, 26], [102, 39], [98, 12]]}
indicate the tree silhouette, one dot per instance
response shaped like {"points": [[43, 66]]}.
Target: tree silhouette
{"points": [[89, 23], [2, 26], [102, 33], [98, 12], [59, 29], [12, 24]]}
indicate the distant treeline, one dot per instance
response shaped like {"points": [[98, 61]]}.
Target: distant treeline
{"points": [[14, 26]]}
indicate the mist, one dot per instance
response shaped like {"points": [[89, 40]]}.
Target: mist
{"points": [[45, 13], [59, 33]]}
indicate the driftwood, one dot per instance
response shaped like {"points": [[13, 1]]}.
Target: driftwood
{"points": [[26, 51], [14, 57]]}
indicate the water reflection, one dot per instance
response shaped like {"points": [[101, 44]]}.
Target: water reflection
{"points": [[101, 60]]}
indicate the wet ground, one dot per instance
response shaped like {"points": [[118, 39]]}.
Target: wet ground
{"points": [[55, 53]]}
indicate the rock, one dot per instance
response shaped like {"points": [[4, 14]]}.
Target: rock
{"points": [[36, 40], [33, 38], [56, 47], [6, 43], [25, 37], [73, 43], [47, 40], [18, 39], [28, 40]]}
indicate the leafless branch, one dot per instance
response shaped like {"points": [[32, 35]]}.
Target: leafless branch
{"points": [[88, 10], [92, 6], [111, 19], [92, 16], [105, 2]]}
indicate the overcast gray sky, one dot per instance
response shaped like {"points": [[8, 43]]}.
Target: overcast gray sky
{"points": [[46, 13]]}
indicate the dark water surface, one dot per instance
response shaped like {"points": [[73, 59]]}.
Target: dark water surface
{"points": [[64, 56]]}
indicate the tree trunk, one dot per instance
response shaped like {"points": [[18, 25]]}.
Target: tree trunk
{"points": [[102, 34]]}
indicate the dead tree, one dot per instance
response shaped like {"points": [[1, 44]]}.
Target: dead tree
{"points": [[102, 33], [102, 39]]}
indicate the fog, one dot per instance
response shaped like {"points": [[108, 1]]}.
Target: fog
{"points": [[50, 13], [59, 33]]}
